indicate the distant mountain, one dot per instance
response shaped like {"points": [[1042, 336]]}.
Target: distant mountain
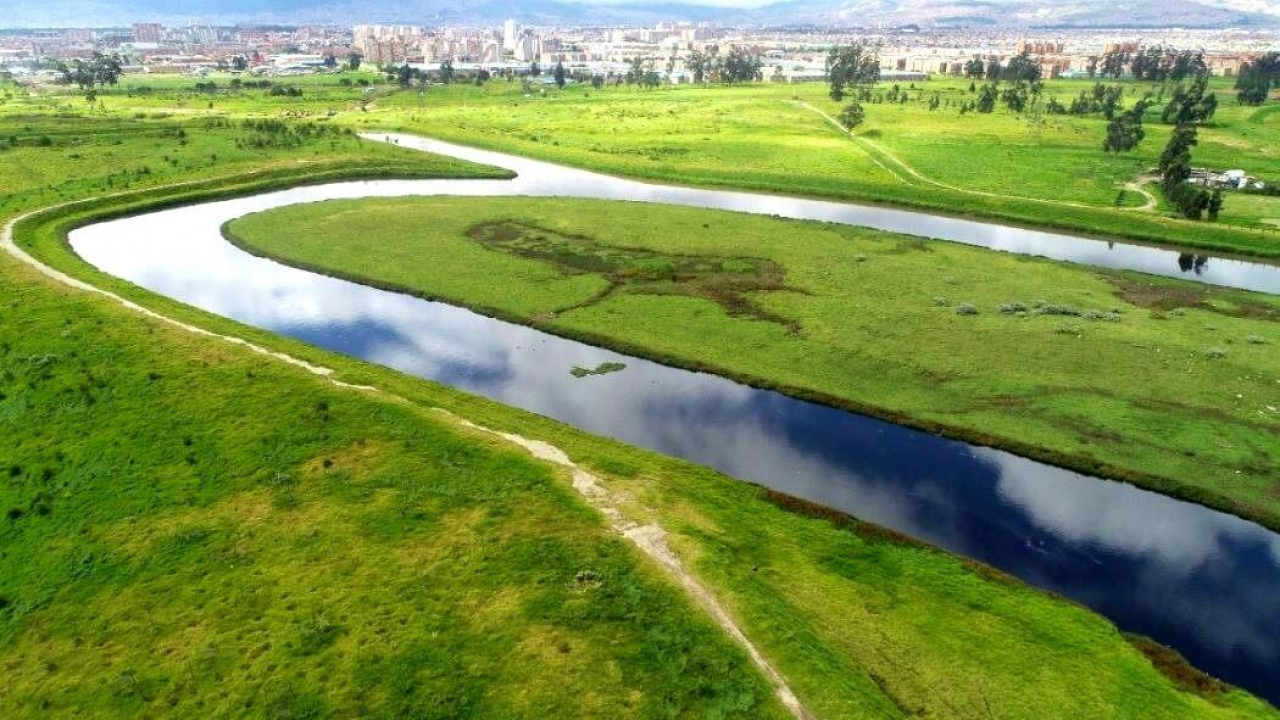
{"points": [[835, 13]]}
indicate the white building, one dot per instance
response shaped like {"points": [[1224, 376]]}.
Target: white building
{"points": [[510, 35]]}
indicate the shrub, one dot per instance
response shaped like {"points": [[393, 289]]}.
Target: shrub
{"points": [[1255, 340], [1013, 307], [1051, 309], [966, 309], [1216, 353], [940, 301]]}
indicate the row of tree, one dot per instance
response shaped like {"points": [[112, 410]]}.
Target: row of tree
{"points": [[99, 71], [1188, 108], [1154, 63], [1256, 79]]}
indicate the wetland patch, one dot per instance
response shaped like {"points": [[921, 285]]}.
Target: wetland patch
{"points": [[724, 280]]}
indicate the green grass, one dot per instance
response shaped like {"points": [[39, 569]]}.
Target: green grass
{"points": [[1101, 371], [759, 137], [204, 531]]}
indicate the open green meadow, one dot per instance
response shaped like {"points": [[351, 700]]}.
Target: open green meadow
{"points": [[1034, 168], [193, 528]]}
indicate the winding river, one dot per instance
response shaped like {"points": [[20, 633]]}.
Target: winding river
{"points": [[1203, 582]]}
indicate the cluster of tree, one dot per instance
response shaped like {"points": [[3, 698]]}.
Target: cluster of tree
{"points": [[853, 68], [739, 65], [1125, 131], [642, 74], [1175, 167], [1020, 69], [263, 134], [1256, 79], [405, 76], [1153, 63], [284, 91], [1191, 104], [1104, 99], [1022, 91], [101, 70]]}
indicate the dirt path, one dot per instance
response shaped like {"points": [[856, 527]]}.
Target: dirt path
{"points": [[1140, 186], [650, 538], [866, 143]]}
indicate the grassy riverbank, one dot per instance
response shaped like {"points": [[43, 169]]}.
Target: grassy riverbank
{"points": [[1169, 384], [203, 530], [1038, 169]]}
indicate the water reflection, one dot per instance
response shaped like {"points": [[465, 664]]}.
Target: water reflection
{"points": [[541, 178], [1201, 581]]}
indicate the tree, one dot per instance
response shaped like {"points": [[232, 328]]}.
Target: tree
{"points": [[1124, 132], [1257, 78], [852, 115], [1022, 69], [975, 69], [353, 60], [994, 71], [1015, 97], [986, 101], [100, 71], [1113, 63], [740, 66], [558, 74], [330, 61], [1215, 204], [851, 66], [635, 73], [698, 63], [239, 63], [597, 81], [535, 69]]}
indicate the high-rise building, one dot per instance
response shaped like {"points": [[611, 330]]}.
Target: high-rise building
{"points": [[147, 32], [510, 35]]}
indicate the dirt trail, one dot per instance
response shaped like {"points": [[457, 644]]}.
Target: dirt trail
{"points": [[651, 539], [911, 171], [1140, 186]]}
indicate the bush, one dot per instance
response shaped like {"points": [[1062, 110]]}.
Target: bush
{"points": [[966, 309], [1255, 340], [1216, 353], [1051, 309], [1013, 307]]}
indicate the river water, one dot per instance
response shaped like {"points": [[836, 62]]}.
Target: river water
{"points": [[1203, 582]]}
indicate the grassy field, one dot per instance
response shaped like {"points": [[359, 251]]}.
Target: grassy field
{"points": [[1038, 169], [196, 529], [1106, 372], [1034, 168]]}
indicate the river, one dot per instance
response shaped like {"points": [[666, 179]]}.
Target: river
{"points": [[1201, 581]]}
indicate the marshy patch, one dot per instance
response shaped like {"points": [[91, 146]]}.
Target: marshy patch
{"points": [[726, 281], [603, 368], [1172, 665], [1169, 297]]}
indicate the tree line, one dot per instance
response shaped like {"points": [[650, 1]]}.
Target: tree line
{"points": [[1256, 79]]}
